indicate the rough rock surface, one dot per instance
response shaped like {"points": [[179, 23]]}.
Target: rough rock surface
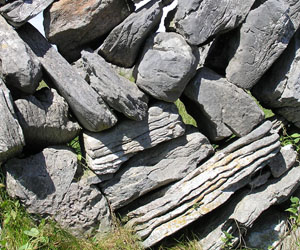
{"points": [[19, 66], [167, 162], [106, 151], [20, 11], [87, 106], [167, 65], [70, 26], [45, 119], [11, 135], [222, 108], [122, 45], [199, 20], [118, 92]]}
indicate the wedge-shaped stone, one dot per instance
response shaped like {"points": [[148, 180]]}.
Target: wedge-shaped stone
{"points": [[88, 107], [167, 162], [106, 151], [222, 109], [206, 188]]}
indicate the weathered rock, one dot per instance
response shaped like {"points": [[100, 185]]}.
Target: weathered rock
{"points": [[260, 180], [118, 92], [19, 12], [11, 135], [167, 65], [19, 66], [261, 41], [199, 20], [71, 26], [106, 151], [122, 45], [167, 162], [206, 188], [222, 108], [88, 107], [45, 119]]}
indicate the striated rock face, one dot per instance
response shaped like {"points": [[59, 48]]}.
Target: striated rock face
{"points": [[106, 151], [70, 26]]}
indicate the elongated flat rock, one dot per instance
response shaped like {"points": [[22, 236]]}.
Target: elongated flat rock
{"points": [[106, 151], [88, 107]]}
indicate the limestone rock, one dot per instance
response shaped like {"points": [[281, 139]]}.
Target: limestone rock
{"points": [[167, 162], [106, 151], [222, 108], [45, 119], [87, 106], [118, 92], [71, 26], [167, 65], [122, 45], [20, 68]]}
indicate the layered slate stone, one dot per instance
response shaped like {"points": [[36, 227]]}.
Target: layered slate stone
{"points": [[11, 135], [199, 20], [106, 151], [123, 44], [87, 106], [156, 167], [71, 26], [118, 92], [167, 65], [222, 109], [45, 119], [20, 68]]}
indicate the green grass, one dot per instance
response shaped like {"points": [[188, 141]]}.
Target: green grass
{"points": [[187, 119]]}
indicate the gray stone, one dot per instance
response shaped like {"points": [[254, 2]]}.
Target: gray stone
{"points": [[260, 180], [167, 65], [19, 12], [106, 151], [11, 135], [199, 20], [45, 119], [122, 45], [19, 66], [87, 106], [156, 167], [71, 26], [118, 92], [222, 108]]}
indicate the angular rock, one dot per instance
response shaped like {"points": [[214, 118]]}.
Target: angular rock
{"points": [[45, 119], [19, 68], [199, 20], [156, 167], [87, 106], [122, 45], [19, 12], [11, 135], [106, 151], [167, 65], [222, 108], [71, 26], [206, 188], [118, 92]]}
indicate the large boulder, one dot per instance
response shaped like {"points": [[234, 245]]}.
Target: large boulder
{"points": [[71, 26]]}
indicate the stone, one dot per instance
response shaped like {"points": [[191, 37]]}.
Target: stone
{"points": [[88, 107], [118, 92], [156, 76], [45, 119], [19, 12], [11, 134], [20, 68], [222, 108], [200, 20], [106, 151], [156, 167], [123, 43], [71, 26]]}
